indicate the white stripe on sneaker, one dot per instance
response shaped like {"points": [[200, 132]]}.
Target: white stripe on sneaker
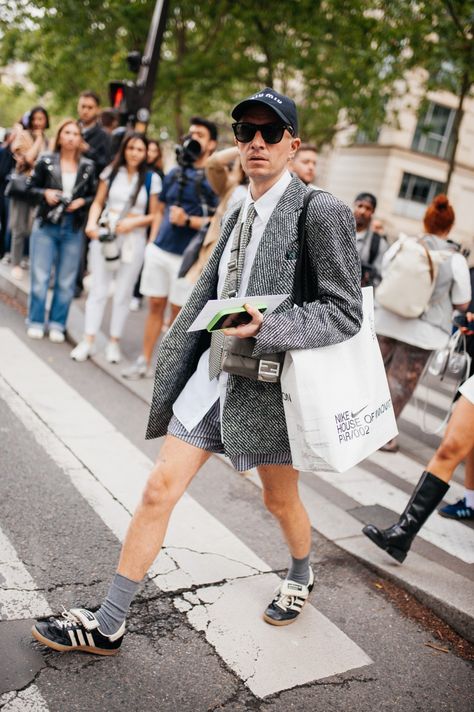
{"points": [[80, 637]]}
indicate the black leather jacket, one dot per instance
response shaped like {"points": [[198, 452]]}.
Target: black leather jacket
{"points": [[47, 174]]}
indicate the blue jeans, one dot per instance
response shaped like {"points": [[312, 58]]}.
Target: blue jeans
{"points": [[58, 245]]}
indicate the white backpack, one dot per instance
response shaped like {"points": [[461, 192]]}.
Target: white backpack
{"points": [[409, 278]]}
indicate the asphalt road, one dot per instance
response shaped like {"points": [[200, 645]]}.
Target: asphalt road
{"points": [[73, 456]]}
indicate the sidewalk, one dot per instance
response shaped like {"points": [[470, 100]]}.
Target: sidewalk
{"points": [[439, 580]]}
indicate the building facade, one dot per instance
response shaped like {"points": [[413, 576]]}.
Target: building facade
{"points": [[407, 165]]}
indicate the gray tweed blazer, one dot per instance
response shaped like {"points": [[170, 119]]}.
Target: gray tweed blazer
{"points": [[253, 419]]}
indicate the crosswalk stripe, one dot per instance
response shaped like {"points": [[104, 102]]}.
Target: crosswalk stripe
{"points": [[28, 700], [19, 598], [368, 489], [199, 549]]}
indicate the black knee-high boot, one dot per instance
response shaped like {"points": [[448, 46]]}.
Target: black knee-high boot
{"points": [[397, 539]]}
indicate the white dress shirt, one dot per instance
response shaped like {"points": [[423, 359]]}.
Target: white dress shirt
{"points": [[199, 394]]}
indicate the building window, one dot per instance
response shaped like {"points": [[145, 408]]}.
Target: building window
{"points": [[416, 192], [434, 132]]}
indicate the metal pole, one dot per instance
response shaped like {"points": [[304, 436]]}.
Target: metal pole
{"points": [[149, 67]]}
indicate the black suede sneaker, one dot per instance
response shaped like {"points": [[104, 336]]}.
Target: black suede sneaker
{"points": [[288, 602], [77, 629]]}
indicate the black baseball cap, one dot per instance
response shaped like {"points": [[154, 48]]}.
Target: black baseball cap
{"points": [[283, 106]]}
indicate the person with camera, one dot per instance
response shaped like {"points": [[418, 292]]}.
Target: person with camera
{"points": [[125, 205], [186, 203], [64, 183], [371, 245]]}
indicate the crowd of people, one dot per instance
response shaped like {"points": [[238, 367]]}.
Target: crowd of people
{"points": [[94, 200]]}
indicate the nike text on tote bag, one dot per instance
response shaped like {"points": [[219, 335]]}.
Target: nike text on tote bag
{"points": [[337, 401]]}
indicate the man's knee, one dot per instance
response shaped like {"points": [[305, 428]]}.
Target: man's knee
{"points": [[275, 503], [157, 305], [161, 491]]}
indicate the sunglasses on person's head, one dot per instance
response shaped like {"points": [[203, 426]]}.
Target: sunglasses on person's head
{"points": [[271, 133]]}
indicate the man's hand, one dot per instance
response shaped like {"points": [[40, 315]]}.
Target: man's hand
{"points": [[52, 196], [247, 330], [178, 216], [75, 205]]}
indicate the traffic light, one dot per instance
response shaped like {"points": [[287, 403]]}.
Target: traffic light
{"points": [[125, 98]]}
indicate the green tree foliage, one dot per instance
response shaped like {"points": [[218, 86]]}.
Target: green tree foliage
{"points": [[329, 54]]}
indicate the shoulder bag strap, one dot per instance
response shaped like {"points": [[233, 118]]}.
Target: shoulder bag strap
{"points": [[306, 277]]}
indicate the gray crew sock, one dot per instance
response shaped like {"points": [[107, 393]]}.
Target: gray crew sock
{"points": [[114, 609], [299, 570]]}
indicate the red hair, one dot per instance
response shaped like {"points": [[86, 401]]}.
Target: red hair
{"points": [[439, 217]]}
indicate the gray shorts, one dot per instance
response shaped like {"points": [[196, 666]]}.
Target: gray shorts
{"points": [[207, 435]]}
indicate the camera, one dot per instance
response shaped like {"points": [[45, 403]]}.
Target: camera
{"points": [[188, 152], [105, 235], [55, 215]]}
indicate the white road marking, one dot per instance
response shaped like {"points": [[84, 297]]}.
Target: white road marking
{"points": [[268, 657], [110, 473], [19, 597], [28, 700]]}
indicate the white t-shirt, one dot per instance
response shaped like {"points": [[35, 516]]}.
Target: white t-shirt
{"points": [[121, 190], [68, 179], [199, 394]]}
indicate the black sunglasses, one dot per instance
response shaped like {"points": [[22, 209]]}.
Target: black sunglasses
{"points": [[271, 133]]}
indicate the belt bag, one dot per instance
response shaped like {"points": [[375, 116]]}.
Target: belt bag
{"points": [[237, 356], [237, 359]]}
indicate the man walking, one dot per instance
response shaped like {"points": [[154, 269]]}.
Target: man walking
{"points": [[185, 204], [201, 409], [371, 245]]}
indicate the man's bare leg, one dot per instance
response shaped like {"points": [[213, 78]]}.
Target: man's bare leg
{"points": [[177, 464], [282, 499]]}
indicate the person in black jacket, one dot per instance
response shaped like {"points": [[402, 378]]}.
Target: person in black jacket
{"points": [[98, 148], [97, 139], [64, 183]]}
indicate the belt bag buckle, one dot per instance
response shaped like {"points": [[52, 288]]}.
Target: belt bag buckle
{"points": [[269, 371]]}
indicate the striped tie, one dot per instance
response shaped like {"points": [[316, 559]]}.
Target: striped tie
{"points": [[231, 287]]}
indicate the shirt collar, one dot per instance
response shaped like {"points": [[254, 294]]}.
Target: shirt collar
{"points": [[266, 204]]}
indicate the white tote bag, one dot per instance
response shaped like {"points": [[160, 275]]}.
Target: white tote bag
{"points": [[337, 401]]}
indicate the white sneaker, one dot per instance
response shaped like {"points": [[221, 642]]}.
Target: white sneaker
{"points": [[137, 370], [113, 353], [35, 332], [56, 336], [83, 350], [135, 304]]}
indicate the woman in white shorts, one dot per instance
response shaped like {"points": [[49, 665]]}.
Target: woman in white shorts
{"points": [[125, 205], [456, 445]]}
